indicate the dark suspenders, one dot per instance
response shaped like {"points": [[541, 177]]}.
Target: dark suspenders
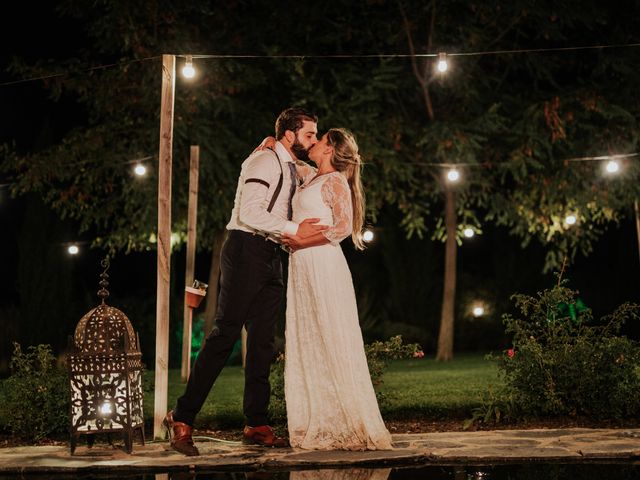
{"points": [[279, 186]]}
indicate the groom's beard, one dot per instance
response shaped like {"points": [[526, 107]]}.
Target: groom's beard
{"points": [[299, 151]]}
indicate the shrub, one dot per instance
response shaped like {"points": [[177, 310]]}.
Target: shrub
{"points": [[35, 398], [562, 363], [379, 354]]}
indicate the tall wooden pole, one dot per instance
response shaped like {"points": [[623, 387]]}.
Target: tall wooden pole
{"points": [[164, 242], [191, 256]]}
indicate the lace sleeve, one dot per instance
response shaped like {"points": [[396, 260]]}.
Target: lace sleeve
{"points": [[337, 196]]}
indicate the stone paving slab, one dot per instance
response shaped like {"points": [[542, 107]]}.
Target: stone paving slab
{"points": [[496, 446]]}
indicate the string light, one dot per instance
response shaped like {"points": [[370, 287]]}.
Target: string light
{"points": [[478, 311], [345, 56], [468, 232], [442, 65], [453, 175], [570, 219], [140, 170], [188, 71], [368, 236], [73, 249], [612, 166]]}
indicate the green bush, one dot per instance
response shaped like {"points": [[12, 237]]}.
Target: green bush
{"points": [[35, 398], [563, 363], [379, 354]]}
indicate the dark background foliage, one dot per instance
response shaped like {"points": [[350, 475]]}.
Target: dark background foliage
{"points": [[511, 119]]}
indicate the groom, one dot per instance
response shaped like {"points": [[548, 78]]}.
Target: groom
{"points": [[251, 284]]}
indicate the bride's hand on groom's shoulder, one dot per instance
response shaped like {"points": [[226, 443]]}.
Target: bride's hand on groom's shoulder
{"points": [[267, 143]]}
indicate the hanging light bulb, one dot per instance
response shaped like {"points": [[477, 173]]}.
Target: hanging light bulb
{"points": [[612, 166], [140, 170], [453, 175], [367, 236], [188, 71], [442, 65], [571, 219], [73, 250], [468, 232]]}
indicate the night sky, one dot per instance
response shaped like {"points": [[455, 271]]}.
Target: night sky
{"points": [[605, 279]]}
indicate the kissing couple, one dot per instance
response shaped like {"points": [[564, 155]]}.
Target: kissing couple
{"points": [[284, 203]]}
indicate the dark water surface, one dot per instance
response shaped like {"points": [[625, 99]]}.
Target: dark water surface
{"points": [[536, 471]]}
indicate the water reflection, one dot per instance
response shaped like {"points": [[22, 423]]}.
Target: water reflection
{"points": [[593, 471], [342, 474], [322, 474], [612, 471]]}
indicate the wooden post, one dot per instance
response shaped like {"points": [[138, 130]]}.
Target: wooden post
{"points": [[191, 256], [164, 242]]}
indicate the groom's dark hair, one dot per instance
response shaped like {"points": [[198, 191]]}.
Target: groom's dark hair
{"points": [[292, 119]]}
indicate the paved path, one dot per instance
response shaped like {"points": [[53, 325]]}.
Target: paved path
{"points": [[498, 446]]}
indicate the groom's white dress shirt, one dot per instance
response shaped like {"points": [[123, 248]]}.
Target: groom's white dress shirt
{"points": [[256, 186]]}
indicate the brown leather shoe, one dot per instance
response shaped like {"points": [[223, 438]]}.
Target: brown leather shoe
{"points": [[180, 435], [263, 435]]}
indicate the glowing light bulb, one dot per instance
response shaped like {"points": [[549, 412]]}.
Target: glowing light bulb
{"points": [[478, 311], [367, 236], [73, 250], [140, 170], [453, 175], [613, 166], [188, 71], [468, 232], [106, 408], [442, 65], [570, 220]]}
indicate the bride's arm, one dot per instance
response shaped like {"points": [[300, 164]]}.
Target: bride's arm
{"points": [[337, 196], [267, 143]]}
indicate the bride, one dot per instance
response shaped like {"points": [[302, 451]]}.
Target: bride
{"points": [[330, 400]]}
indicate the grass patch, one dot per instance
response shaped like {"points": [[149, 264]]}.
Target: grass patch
{"points": [[413, 389], [424, 388]]}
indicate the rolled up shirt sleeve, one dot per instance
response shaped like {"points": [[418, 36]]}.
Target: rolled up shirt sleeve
{"points": [[260, 175]]}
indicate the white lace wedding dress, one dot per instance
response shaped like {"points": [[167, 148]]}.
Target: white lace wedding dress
{"points": [[331, 404]]}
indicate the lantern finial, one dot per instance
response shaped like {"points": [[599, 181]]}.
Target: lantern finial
{"points": [[104, 282]]}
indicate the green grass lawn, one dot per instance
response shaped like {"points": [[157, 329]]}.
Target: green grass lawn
{"points": [[421, 388], [426, 388]]}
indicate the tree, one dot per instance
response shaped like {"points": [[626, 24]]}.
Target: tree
{"points": [[495, 116]]}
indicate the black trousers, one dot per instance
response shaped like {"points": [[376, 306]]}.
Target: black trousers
{"points": [[251, 289]]}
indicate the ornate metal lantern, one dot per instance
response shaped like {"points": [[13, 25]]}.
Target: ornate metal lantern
{"points": [[105, 373]]}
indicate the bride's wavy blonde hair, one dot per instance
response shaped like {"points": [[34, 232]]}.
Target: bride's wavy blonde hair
{"points": [[346, 159]]}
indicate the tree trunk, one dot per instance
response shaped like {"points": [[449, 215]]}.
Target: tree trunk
{"points": [[214, 276], [445, 338]]}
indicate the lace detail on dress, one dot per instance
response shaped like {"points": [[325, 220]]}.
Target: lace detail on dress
{"points": [[305, 171], [336, 194], [330, 400]]}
